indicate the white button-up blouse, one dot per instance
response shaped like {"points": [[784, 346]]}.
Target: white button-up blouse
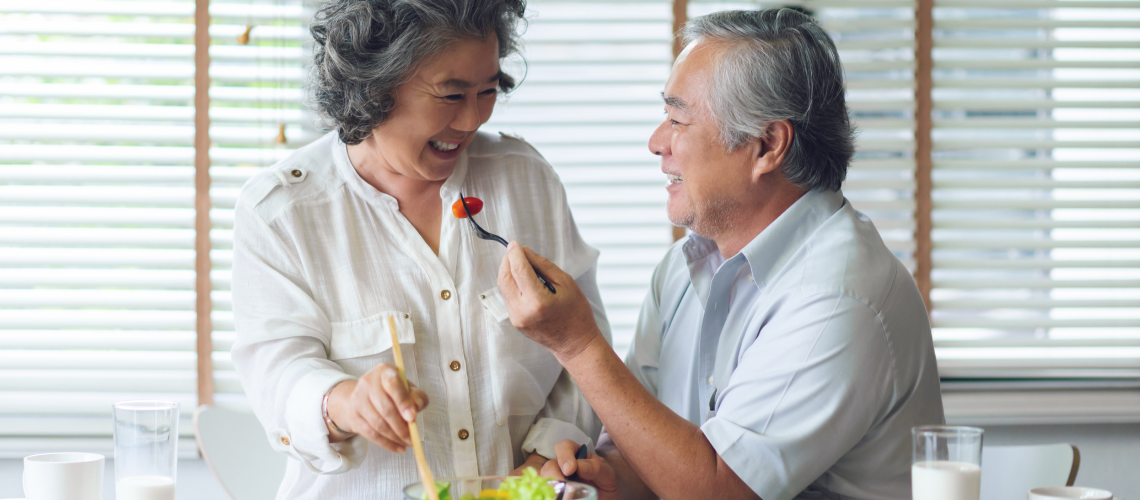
{"points": [[322, 259]]}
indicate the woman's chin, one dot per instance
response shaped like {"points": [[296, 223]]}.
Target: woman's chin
{"points": [[434, 170]]}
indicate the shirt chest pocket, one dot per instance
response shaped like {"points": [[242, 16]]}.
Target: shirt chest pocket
{"points": [[369, 336], [523, 372]]}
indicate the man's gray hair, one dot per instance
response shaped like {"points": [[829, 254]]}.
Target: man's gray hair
{"points": [[365, 49], [780, 65]]}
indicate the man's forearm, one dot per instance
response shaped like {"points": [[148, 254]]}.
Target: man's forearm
{"points": [[670, 454], [629, 483]]}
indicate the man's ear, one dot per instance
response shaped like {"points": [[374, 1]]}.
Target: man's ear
{"points": [[773, 149]]}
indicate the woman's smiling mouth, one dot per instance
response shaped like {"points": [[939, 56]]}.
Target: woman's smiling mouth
{"points": [[443, 147]]}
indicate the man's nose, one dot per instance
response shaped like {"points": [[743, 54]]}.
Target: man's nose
{"points": [[659, 141]]}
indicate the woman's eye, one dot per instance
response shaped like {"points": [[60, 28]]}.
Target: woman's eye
{"points": [[489, 92], [454, 97]]}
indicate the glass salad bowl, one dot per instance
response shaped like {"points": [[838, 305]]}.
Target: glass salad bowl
{"points": [[483, 487]]}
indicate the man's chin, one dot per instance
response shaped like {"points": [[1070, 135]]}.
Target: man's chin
{"points": [[681, 218], [708, 221], [687, 221]]}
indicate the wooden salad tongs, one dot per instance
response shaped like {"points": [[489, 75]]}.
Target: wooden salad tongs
{"points": [[421, 460]]}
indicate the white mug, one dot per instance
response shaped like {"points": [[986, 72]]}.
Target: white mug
{"points": [[1066, 493], [63, 476]]}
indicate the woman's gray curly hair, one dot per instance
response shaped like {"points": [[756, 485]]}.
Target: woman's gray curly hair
{"points": [[366, 48]]}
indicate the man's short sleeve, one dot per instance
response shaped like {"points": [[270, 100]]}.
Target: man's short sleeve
{"points": [[803, 394]]}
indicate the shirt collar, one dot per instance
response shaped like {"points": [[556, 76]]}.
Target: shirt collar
{"points": [[770, 250], [703, 258], [449, 191], [767, 253]]}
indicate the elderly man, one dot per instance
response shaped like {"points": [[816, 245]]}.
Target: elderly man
{"points": [[782, 351]]}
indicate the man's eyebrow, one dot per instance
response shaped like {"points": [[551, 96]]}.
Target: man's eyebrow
{"points": [[675, 102], [464, 84]]}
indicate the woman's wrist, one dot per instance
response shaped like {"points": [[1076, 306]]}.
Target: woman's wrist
{"points": [[330, 410], [534, 461]]}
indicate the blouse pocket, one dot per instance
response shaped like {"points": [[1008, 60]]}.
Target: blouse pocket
{"points": [[368, 336], [524, 372]]}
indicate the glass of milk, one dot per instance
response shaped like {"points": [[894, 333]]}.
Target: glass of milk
{"points": [[947, 463], [146, 449]]}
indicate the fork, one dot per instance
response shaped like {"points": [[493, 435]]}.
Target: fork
{"points": [[489, 236]]}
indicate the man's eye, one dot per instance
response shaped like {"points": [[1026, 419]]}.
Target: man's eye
{"points": [[489, 92], [674, 122], [454, 97]]}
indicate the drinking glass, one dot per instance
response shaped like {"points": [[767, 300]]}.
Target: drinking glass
{"points": [[146, 449], [947, 463]]}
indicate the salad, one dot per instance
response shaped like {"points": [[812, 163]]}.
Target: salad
{"points": [[529, 486]]}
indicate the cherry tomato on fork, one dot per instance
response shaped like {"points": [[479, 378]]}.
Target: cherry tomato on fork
{"points": [[473, 204]]}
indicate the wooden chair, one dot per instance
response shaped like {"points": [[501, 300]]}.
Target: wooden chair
{"points": [[234, 445], [1009, 472]]}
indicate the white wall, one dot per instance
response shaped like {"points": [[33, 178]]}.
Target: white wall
{"points": [[1110, 459], [1110, 453]]}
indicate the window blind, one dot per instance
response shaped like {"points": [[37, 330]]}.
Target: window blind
{"points": [[1036, 215], [257, 69], [1035, 184], [875, 40], [96, 218]]}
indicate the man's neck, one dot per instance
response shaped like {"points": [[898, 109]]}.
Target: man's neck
{"points": [[754, 218]]}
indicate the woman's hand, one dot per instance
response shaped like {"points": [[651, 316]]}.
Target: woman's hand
{"points": [[534, 461], [376, 406], [592, 470]]}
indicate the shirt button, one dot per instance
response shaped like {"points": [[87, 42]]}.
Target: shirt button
{"points": [[463, 433], [454, 366], [446, 294], [284, 440], [296, 173], [710, 380]]}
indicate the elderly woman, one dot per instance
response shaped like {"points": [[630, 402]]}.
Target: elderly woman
{"points": [[358, 227]]}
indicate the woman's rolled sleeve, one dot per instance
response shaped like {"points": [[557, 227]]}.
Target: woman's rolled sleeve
{"points": [[281, 353], [292, 386], [305, 422]]}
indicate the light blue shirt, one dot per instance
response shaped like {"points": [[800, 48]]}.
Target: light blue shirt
{"points": [[806, 358]]}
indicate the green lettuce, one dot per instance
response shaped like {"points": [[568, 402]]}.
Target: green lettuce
{"points": [[444, 490], [529, 486]]}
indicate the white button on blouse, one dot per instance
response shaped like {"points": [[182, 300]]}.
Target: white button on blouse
{"points": [[322, 260]]}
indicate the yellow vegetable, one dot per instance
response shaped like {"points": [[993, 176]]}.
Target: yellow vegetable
{"points": [[505, 495]]}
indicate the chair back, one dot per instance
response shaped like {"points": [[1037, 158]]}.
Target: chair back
{"points": [[1009, 472], [234, 445]]}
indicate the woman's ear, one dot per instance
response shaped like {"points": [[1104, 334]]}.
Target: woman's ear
{"points": [[773, 148]]}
